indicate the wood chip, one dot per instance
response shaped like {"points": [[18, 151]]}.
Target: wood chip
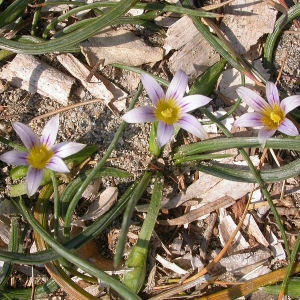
{"points": [[241, 17], [97, 85], [253, 229], [119, 46], [236, 262], [31, 74], [171, 266], [226, 229], [195, 55]]}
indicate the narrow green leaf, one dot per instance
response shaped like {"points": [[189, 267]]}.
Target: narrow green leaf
{"points": [[136, 195], [137, 259], [213, 145], [292, 289], [88, 234], [71, 39], [122, 290], [154, 149], [207, 82], [231, 173], [280, 24], [13, 11], [82, 155], [24, 294], [13, 246], [200, 157]]}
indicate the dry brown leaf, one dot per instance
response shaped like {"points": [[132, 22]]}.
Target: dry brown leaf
{"points": [[119, 46], [100, 205], [197, 213], [209, 188]]}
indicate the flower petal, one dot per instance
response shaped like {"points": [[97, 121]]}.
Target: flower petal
{"points": [[164, 133], [154, 90], [33, 180], [251, 98], [16, 158], [192, 102], [57, 164], [140, 115], [177, 86], [192, 125], [252, 119], [264, 134], [50, 131], [288, 127], [67, 148], [290, 103], [26, 134], [272, 93]]}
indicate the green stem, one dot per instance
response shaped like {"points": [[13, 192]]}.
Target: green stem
{"points": [[138, 192], [290, 266], [56, 204]]}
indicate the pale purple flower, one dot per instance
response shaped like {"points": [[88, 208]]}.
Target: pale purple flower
{"points": [[271, 115], [42, 152], [169, 108]]}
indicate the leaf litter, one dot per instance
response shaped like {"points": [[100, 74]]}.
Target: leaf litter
{"points": [[183, 230]]}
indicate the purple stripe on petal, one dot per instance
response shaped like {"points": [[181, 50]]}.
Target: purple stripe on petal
{"points": [[140, 115], [290, 103], [177, 86], [252, 119], [57, 164], [272, 93], [50, 132], [16, 158], [192, 102], [251, 98], [164, 133], [33, 180], [28, 137], [154, 90], [264, 134], [192, 125], [288, 127], [67, 148]]}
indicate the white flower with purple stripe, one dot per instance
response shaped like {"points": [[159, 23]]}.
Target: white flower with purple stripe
{"points": [[271, 115], [170, 108], [42, 152]]}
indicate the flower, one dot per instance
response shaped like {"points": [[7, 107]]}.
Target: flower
{"points": [[42, 153], [169, 108], [271, 115]]}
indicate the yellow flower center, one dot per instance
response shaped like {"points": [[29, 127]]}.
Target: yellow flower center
{"points": [[273, 117], [39, 156], [167, 111]]}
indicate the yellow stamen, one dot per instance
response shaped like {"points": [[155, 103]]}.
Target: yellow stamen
{"points": [[273, 117], [167, 111], [39, 156]]}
